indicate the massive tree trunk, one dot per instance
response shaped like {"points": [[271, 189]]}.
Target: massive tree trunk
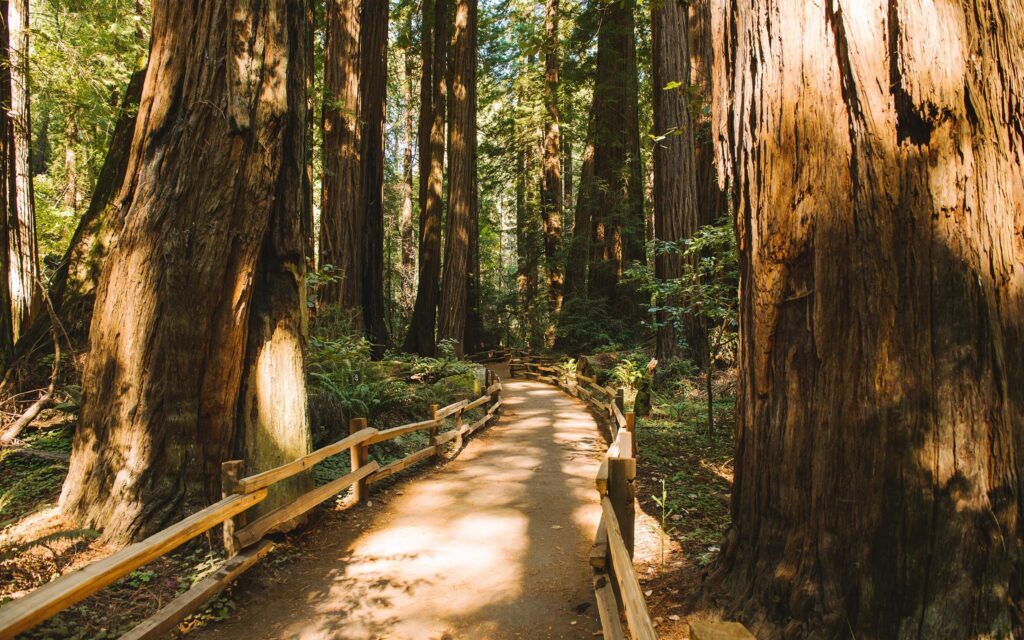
{"points": [[196, 339], [551, 194], [342, 207], [420, 338], [23, 249], [408, 272], [373, 90], [880, 434], [460, 178], [618, 214], [675, 198]]}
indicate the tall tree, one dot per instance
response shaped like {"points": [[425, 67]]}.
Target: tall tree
{"points": [[675, 198], [343, 211], [197, 334], [474, 316], [880, 429], [460, 179], [421, 338], [373, 91], [408, 273], [24, 253], [551, 194], [712, 204], [617, 216], [6, 193], [579, 246]]}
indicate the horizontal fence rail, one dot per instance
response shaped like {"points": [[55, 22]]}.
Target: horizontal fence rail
{"points": [[244, 542]]}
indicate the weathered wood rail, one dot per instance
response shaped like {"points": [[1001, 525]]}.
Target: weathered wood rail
{"points": [[244, 541], [616, 587]]}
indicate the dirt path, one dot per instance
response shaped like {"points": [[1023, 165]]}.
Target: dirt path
{"points": [[491, 545]]}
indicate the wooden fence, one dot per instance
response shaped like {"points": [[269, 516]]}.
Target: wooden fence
{"points": [[616, 587], [244, 541]]}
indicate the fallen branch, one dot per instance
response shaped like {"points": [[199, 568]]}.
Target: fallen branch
{"points": [[44, 400]]}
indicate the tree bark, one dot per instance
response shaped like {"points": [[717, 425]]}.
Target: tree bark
{"points": [[196, 339], [72, 196], [712, 204], [373, 90], [474, 318], [579, 247], [24, 253], [460, 179], [675, 198], [875, 157], [421, 338], [551, 194], [566, 181], [343, 205]]}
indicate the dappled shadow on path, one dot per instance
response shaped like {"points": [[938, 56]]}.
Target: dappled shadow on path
{"points": [[492, 545]]}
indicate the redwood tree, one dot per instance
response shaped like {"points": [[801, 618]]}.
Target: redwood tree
{"points": [[675, 198], [197, 334], [342, 207], [460, 179], [551, 194], [421, 338], [876, 157], [617, 219]]}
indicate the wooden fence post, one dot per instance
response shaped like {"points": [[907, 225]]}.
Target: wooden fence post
{"points": [[631, 428], [622, 493], [360, 453], [620, 399], [230, 473], [433, 429]]}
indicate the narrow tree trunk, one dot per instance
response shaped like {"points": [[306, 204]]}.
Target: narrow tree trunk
{"points": [[460, 179], [618, 213], [420, 338], [373, 90], [408, 272], [474, 317], [7, 193], [566, 179], [675, 197], [196, 339], [876, 157], [712, 205], [24, 254], [72, 198], [551, 194], [343, 208], [579, 248]]}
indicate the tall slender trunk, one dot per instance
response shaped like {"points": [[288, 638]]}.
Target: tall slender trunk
{"points": [[7, 194], [876, 156], [618, 215], [474, 317], [675, 198], [567, 206], [198, 330], [408, 271], [72, 198], [712, 204], [461, 185], [373, 90], [421, 338], [23, 249], [579, 247], [551, 194], [343, 210]]}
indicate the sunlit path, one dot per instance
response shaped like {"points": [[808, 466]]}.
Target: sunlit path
{"points": [[493, 545]]}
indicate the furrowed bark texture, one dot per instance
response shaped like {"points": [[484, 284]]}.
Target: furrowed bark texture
{"points": [[711, 201], [460, 179], [343, 210], [373, 90], [618, 215], [421, 338], [195, 338], [876, 152], [675, 189], [23, 272], [474, 319], [551, 194]]}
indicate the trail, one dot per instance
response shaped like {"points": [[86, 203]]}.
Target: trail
{"points": [[491, 545]]}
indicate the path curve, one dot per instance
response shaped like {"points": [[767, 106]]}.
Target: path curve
{"points": [[492, 545]]}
